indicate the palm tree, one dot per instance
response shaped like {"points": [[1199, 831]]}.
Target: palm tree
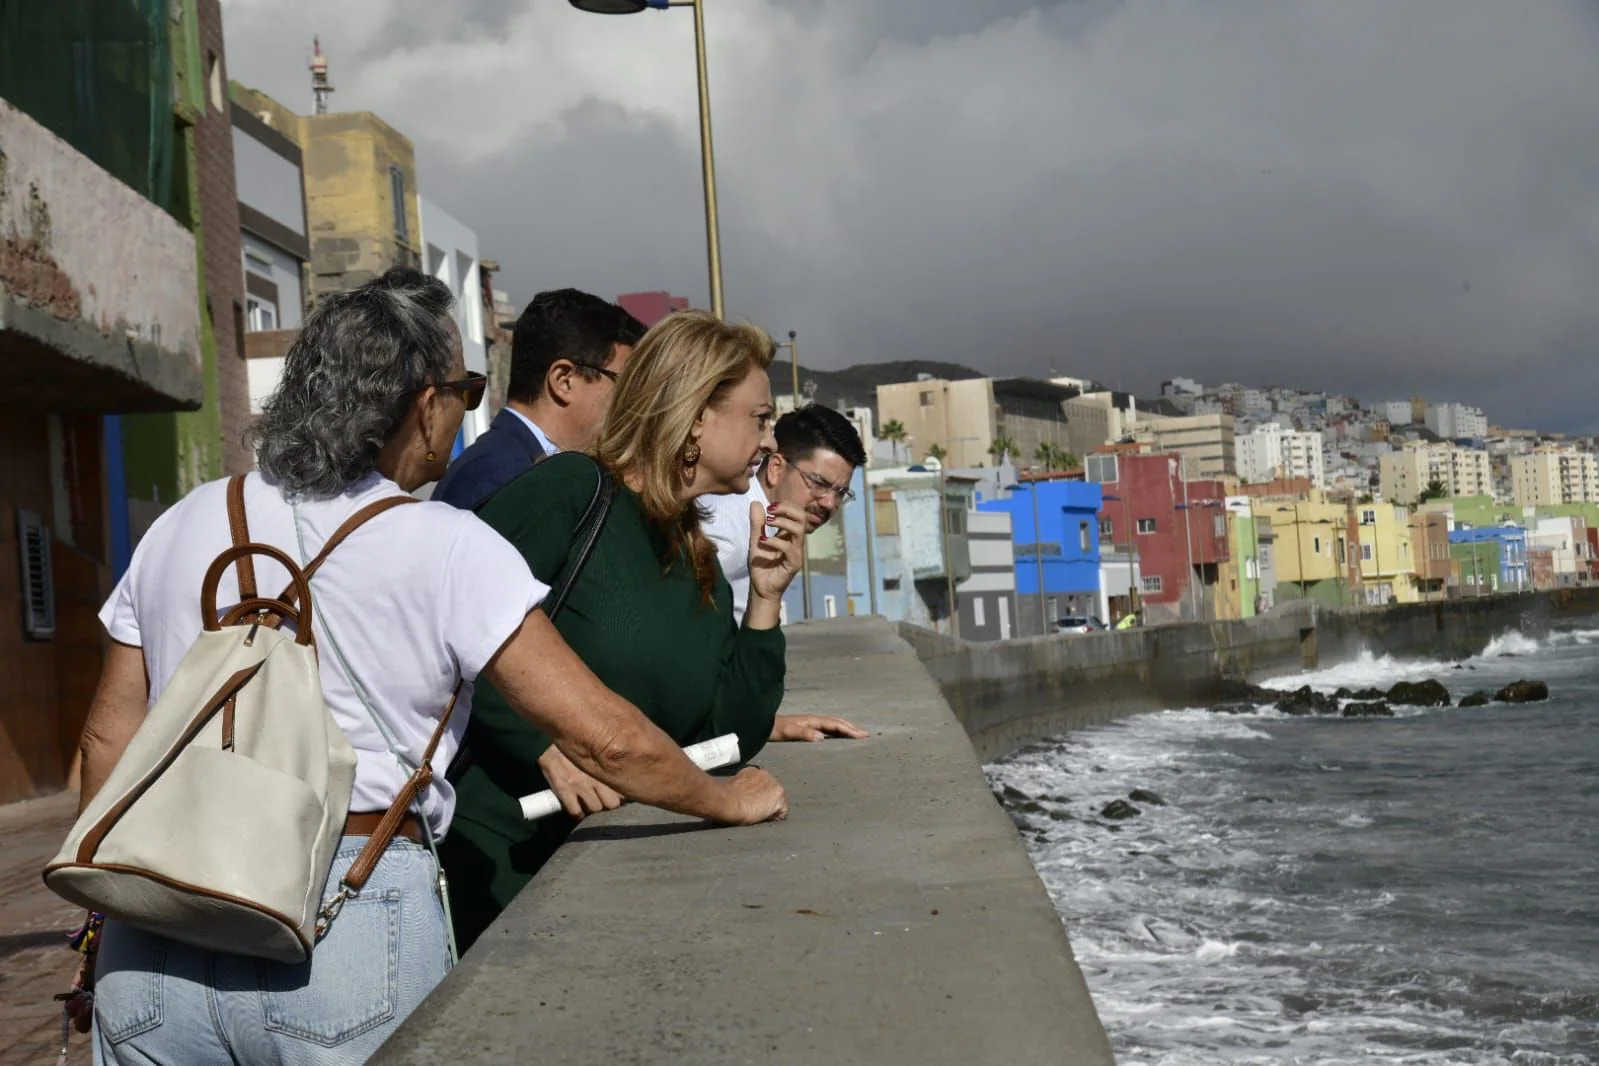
{"points": [[937, 452], [1044, 455], [894, 433], [1001, 447], [1435, 490]]}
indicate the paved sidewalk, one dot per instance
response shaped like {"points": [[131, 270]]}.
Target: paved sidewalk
{"points": [[34, 961]]}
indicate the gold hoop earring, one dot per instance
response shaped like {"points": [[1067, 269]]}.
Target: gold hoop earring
{"points": [[432, 458], [691, 454]]}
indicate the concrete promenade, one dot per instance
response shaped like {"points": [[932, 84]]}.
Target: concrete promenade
{"points": [[894, 918]]}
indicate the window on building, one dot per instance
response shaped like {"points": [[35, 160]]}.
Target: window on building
{"points": [[1219, 524], [1146, 525], [402, 231], [1365, 553], [256, 263], [978, 618], [1252, 568], [1084, 540], [213, 79], [1315, 543], [1151, 583], [954, 521], [1105, 527], [259, 314], [1368, 518], [927, 397], [891, 584]]}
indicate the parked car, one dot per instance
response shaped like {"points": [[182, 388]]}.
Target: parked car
{"points": [[1077, 623]]}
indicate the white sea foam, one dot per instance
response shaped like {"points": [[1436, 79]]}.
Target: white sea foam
{"points": [[1512, 642]]}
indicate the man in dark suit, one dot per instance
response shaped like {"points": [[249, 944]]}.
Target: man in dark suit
{"points": [[567, 351]]}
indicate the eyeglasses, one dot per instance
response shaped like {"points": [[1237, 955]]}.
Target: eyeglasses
{"points": [[613, 375], [470, 387], [820, 486]]}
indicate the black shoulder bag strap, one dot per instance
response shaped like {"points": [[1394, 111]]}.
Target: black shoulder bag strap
{"points": [[584, 536]]}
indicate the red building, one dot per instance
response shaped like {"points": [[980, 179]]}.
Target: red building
{"points": [[1177, 528], [650, 307]]}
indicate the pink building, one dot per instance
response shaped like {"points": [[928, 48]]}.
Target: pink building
{"points": [[650, 307]]}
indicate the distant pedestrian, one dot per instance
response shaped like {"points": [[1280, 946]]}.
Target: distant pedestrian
{"points": [[413, 604], [567, 352]]}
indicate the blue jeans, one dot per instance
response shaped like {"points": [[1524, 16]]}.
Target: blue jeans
{"points": [[161, 1003]]}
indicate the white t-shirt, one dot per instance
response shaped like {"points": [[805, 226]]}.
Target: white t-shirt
{"points": [[417, 598], [728, 526]]}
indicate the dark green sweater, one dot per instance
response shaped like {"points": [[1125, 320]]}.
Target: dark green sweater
{"points": [[643, 629]]}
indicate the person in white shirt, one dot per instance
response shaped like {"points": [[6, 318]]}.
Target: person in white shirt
{"points": [[817, 454], [417, 603]]}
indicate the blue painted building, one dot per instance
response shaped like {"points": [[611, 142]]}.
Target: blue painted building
{"points": [[1055, 530], [1509, 552]]}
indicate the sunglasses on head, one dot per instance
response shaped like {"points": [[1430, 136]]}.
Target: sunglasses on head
{"points": [[470, 387]]}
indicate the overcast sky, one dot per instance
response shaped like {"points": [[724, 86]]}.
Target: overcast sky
{"points": [[1371, 196]]}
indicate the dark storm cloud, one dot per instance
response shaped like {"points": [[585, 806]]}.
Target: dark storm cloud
{"points": [[1370, 197]]}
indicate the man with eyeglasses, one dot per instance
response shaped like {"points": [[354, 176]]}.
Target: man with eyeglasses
{"points": [[817, 453], [568, 349]]}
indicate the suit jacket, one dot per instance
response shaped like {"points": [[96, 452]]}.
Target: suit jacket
{"points": [[500, 456]]}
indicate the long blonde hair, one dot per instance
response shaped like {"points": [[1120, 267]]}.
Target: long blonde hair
{"points": [[684, 364]]}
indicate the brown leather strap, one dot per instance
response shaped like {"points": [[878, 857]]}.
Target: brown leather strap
{"points": [[239, 526], [383, 833], [365, 823]]}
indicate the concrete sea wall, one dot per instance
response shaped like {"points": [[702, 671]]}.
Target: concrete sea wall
{"points": [[1011, 694], [893, 918]]}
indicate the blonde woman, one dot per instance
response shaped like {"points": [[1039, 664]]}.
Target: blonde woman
{"points": [[651, 613]]}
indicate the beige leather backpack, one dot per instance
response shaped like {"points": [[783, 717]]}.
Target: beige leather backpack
{"points": [[218, 825]]}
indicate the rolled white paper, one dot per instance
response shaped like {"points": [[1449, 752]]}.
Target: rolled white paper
{"points": [[708, 755]]}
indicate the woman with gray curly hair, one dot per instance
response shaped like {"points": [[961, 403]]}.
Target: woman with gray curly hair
{"points": [[415, 603]]}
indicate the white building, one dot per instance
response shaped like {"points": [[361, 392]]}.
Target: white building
{"points": [[1554, 475], [1455, 421], [450, 253], [1271, 452], [1396, 412]]}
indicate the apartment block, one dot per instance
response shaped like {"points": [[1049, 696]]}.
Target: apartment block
{"points": [[360, 191], [1206, 442], [1554, 475], [964, 418], [1455, 421], [1097, 418], [1405, 474], [1271, 452]]}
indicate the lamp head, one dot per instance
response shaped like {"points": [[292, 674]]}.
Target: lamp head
{"points": [[610, 7]]}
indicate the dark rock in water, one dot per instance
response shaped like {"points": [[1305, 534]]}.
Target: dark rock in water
{"points": [[1231, 690], [1235, 708], [1344, 694], [1459, 666], [1476, 699], [1013, 794], [1368, 695], [1144, 795], [1368, 710], [1523, 692], [1307, 701], [1259, 799], [1428, 693], [1120, 809]]}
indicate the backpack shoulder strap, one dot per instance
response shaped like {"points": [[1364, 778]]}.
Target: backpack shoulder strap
{"points": [[239, 527], [350, 525]]}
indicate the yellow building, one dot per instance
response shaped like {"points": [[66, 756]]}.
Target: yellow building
{"points": [[1312, 549], [360, 191], [965, 418], [1386, 557], [1554, 475], [1406, 473]]}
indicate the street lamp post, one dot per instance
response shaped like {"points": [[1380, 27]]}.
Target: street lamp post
{"points": [[713, 240], [792, 344]]}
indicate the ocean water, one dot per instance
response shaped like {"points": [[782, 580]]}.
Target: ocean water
{"points": [[1422, 889]]}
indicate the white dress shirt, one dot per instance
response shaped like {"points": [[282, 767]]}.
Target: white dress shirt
{"points": [[728, 526]]}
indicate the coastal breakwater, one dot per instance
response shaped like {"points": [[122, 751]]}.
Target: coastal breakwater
{"points": [[1011, 694], [894, 917]]}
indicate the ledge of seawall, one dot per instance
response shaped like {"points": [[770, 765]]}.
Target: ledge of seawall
{"points": [[894, 918]]}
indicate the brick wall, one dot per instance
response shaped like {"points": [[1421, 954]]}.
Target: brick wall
{"points": [[219, 220]]}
